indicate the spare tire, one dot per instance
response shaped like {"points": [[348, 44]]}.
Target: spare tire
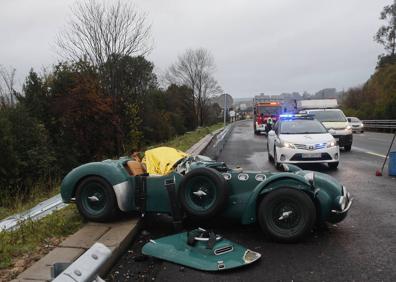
{"points": [[203, 192]]}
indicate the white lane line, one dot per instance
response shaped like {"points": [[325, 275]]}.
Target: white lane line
{"points": [[376, 139], [368, 152]]}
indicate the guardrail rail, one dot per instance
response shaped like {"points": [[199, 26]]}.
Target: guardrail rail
{"points": [[389, 124]]}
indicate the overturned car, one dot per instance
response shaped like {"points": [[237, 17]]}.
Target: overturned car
{"points": [[285, 204]]}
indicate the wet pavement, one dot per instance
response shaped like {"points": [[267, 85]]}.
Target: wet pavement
{"points": [[361, 248]]}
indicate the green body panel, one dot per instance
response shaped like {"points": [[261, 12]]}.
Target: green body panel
{"points": [[157, 195], [174, 248], [112, 171], [328, 196], [273, 182]]}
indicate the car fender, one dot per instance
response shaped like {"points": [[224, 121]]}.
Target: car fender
{"points": [[112, 172], [276, 181], [328, 194]]}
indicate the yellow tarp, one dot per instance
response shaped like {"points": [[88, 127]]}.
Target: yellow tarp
{"points": [[161, 160]]}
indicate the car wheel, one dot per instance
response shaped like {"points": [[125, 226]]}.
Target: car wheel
{"points": [[286, 215], [277, 165], [95, 199], [333, 165], [270, 158], [347, 148], [203, 192]]}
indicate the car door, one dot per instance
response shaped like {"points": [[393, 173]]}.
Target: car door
{"points": [[271, 139]]}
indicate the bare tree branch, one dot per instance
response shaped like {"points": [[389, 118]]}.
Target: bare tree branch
{"points": [[7, 82], [386, 34], [195, 69], [97, 31]]}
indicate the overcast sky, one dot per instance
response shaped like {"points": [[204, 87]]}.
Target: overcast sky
{"points": [[269, 46]]}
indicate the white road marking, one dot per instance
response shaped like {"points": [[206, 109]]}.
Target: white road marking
{"points": [[368, 152], [376, 139]]}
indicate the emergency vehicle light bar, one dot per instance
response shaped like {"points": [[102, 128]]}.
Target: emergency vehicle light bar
{"points": [[290, 116]]}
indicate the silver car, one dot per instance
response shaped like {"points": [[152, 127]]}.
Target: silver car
{"points": [[356, 124]]}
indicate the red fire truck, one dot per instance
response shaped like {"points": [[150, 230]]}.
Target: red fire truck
{"points": [[264, 110]]}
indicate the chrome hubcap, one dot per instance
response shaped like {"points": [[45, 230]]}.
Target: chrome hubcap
{"points": [[200, 193], [93, 198], [285, 215]]}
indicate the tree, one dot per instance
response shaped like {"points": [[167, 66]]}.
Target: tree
{"points": [[386, 35], [195, 69], [8, 94], [81, 115], [133, 79], [103, 34], [97, 31]]}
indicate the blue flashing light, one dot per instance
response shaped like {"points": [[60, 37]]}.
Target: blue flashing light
{"points": [[299, 115], [287, 115]]}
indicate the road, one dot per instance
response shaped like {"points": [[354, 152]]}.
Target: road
{"points": [[361, 248]]}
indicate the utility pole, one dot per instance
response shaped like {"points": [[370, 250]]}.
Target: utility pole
{"points": [[225, 109]]}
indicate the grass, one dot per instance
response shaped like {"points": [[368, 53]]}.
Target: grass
{"points": [[188, 139], [19, 203], [34, 239]]}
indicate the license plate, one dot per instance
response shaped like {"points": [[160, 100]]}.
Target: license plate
{"points": [[311, 156]]}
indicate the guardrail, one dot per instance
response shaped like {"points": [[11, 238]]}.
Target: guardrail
{"points": [[389, 124], [39, 211]]}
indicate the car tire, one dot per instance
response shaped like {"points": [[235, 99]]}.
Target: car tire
{"points": [[101, 208], [333, 165], [347, 148], [277, 165], [296, 225], [214, 191]]}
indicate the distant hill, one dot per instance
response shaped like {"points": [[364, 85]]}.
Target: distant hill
{"points": [[376, 99]]}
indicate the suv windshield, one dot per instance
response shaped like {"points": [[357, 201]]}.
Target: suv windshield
{"points": [[329, 115], [302, 127]]}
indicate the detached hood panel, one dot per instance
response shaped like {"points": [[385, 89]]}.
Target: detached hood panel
{"points": [[224, 254]]}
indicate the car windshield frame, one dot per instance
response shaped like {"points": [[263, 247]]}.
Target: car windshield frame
{"points": [[320, 129], [325, 116], [355, 120]]}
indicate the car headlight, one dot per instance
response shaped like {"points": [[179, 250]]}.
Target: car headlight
{"points": [[286, 145], [362, 125], [332, 144], [348, 127]]}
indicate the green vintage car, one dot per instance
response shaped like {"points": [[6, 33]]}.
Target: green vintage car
{"points": [[285, 204]]}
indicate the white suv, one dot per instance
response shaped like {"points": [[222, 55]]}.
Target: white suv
{"points": [[336, 120]]}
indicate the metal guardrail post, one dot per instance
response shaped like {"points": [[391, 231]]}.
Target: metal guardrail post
{"points": [[87, 266]]}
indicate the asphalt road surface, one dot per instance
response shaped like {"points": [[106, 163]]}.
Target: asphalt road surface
{"points": [[361, 248]]}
